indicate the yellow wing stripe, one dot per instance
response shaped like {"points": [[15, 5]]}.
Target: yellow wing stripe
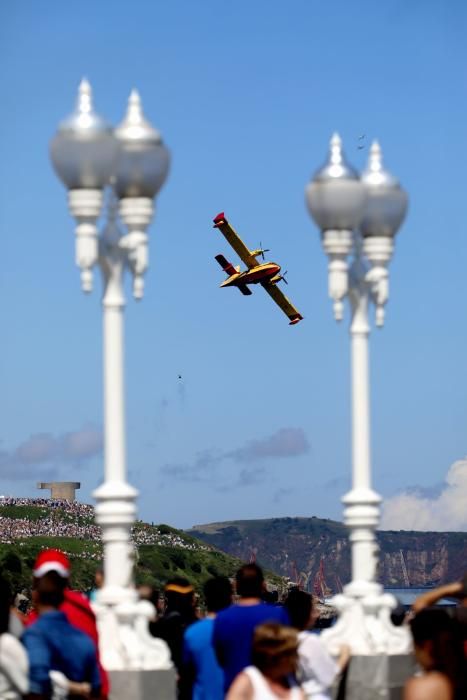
{"points": [[281, 300], [236, 242]]}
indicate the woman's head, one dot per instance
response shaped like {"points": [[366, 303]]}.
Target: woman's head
{"points": [[179, 597], [299, 606], [274, 650], [438, 643]]}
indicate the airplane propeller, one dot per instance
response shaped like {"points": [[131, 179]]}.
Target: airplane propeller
{"points": [[283, 277], [263, 250]]}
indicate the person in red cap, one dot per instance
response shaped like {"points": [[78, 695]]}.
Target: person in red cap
{"points": [[75, 605]]}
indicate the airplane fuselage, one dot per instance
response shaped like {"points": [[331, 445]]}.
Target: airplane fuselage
{"points": [[260, 273]]}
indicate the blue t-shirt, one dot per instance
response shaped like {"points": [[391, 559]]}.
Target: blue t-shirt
{"points": [[55, 645], [233, 634], [200, 659]]}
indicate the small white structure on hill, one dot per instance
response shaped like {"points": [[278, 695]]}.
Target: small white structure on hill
{"points": [[64, 490]]}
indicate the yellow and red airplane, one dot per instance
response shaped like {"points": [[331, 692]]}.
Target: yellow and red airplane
{"points": [[266, 274]]}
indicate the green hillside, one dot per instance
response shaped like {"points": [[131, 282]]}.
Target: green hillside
{"points": [[162, 552]]}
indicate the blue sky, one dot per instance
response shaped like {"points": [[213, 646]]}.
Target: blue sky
{"points": [[246, 96]]}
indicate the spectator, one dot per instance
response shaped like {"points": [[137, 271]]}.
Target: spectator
{"points": [[78, 522], [317, 670], [202, 677], [98, 583], [234, 627], [439, 652], [53, 644], [179, 614], [457, 589], [75, 605], [274, 663], [151, 594], [13, 658]]}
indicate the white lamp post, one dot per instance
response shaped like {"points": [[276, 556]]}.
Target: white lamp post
{"points": [[132, 163], [360, 216]]}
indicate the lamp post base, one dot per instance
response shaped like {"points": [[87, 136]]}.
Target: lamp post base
{"points": [[380, 676], [143, 685], [365, 625], [125, 643], [364, 609], [124, 640]]}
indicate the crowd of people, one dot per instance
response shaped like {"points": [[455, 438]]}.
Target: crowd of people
{"points": [[241, 647], [61, 518]]}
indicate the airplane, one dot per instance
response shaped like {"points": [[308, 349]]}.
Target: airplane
{"points": [[266, 274]]}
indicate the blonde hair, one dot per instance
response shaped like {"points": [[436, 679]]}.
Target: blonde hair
{"points": [[271, 642]]}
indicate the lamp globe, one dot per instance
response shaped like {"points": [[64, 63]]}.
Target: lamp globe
{"points": [[143, 159], [387, 202], [84, 149], [335, 196]]}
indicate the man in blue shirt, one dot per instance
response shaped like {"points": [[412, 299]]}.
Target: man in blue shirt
{"points": [[53, 644], [234, 627], [202, 677]]}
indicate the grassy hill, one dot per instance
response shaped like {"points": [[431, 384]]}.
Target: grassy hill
{"points": [[162, 552], [297, 548], [309, 549]]}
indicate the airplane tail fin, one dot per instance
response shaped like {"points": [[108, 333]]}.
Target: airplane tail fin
{"points": [[232, 271], [244, 289], [227, 266]]}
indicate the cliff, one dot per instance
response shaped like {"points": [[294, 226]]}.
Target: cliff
{"points": [[316, 552]]}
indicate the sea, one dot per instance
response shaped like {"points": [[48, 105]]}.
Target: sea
{"points": [[406, 596]]}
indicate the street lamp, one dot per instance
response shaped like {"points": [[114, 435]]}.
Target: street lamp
{"points": [[129, 163], [360, 216]]}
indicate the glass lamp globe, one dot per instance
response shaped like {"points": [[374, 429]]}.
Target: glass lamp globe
{"points": [[387, 202], [84, 149], [143, 160], [335, 196]]}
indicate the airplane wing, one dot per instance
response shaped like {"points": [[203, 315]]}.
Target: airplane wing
{"points": [[235, 241], [281, 300]]}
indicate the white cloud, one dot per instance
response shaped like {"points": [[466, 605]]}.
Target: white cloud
{"points": [[207, 466], [285, 442], [447, 511], [50, 452]]}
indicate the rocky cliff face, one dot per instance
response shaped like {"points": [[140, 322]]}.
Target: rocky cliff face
{"points": [[316, 552], [422, 558]]}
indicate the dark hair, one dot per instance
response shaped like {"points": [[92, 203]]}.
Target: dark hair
{"points": [[435, 627], [5, 602], [270, 597], [218, 593], [398, 614], [148, 592], [299, 606], [50, 589], [178, 601], [249, 581], [271, 643]]}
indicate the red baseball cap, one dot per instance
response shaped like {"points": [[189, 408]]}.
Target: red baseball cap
{"points": [[52, 560]]}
